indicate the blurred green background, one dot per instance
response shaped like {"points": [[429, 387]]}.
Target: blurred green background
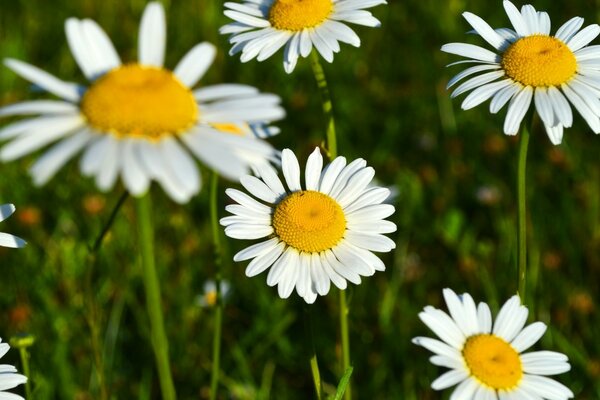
{"points": [[456, 215]]}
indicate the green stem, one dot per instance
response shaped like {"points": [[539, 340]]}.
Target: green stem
{"points": [[332, 150], [344, 310], [314, 362], [98, 242], [153, 300], [327, 104], [214, 219], [25, 362], [522, 212]]}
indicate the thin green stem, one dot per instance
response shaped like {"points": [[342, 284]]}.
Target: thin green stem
{"points": [[522, 212], [153, 299], [25, 362], [111, 219], [214, 219], [314, 362], [344, 310], [327, 104]]}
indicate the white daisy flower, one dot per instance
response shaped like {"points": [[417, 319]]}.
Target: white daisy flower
{"points": [[529, 64], [6, 239], [325, 232], [140, 120], [488, 363], [208, 297], [262, 27], [8, 376]]}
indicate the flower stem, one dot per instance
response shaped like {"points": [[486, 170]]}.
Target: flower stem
{"points": [[214, 219], [314, 362], [522, 212], [332, 151], [344, 310], [153, 299], [327, 104]]}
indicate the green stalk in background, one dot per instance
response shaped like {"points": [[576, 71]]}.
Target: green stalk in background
{"points": [[522, 212], [214, 219], [153, 299], [332, 151], [23, 343]]}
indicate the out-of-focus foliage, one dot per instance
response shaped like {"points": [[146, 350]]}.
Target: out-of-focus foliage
{"points": [[454, 170]]}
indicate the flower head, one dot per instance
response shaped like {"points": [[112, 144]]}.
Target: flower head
{"points": [[262, 27], [6, 239], [487, 362], [322, 233], [528, 64], [140, 120], [8, 376], [208, 297]]}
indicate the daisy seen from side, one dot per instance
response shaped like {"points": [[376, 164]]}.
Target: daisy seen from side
{"points": [[6, 239], [528, 64], [321, 233], [486, 358], [262, 27], [8, 376], [140, 121]]}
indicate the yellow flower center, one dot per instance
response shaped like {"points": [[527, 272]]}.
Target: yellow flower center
{"points": [[493, 361], [539, 60], [309, 221], [211, 298], [296, 15], [136, 100]]}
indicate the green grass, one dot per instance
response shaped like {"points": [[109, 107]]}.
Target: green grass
{"points": [[392, 109]]}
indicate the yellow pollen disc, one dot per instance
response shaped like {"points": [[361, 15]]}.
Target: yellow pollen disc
{"points": [[135, 100], [539, 60], [309, 221], [295, 15], [493, 361]]}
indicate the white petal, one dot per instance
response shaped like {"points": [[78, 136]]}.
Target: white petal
{"points": [[195, 63], [291, 170], [55, 158], [516, 18], [528, 336], [517, 109], [569, 29], [584, 37], [470, 51], [484, 30], [152, 35], [314, 166], [65, 90]]}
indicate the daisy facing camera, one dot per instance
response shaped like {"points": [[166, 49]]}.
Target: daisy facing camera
{"points": [[528, 64], [486, 359], [322, 233]]}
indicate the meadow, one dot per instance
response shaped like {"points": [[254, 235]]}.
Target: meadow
{"points": [[454, 172]]}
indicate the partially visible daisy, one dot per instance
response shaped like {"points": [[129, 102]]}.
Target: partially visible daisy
{"points": [[488, 363], [262, 27], [8, 376], [208, 297], [528, 64], [141, 121], [322, 233], [6, 239]]}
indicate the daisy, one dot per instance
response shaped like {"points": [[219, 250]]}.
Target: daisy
{"points": [[488, 363], [208, 297], [141, 121], [262, 27], [528, 64], [6, 239], [8, 376], [322, 233]]}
